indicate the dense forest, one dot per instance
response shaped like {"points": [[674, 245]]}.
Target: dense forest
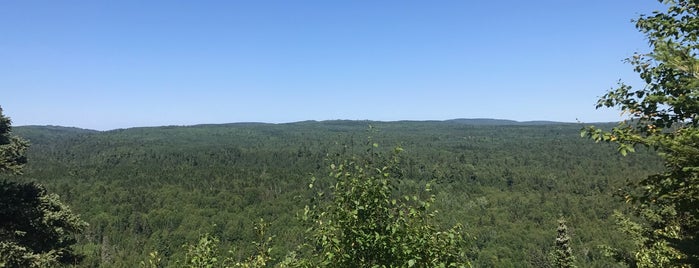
{"points": [[143, 190], [456, 193]]}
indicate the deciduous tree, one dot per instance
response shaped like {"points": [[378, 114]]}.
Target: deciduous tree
{"points": [[365, 224], [663, 115]]}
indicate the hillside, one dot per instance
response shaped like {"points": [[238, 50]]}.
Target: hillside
{"points": [[157, 188]]}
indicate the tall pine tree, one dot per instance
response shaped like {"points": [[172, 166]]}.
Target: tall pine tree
{"points": [[564, 253], [36, 229]]}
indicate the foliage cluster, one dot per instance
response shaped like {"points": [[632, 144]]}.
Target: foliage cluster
{"points": [[36, 229], [663, 115], [365, 225]]}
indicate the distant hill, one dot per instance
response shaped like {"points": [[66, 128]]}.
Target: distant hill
{"points": [[60, 130], [501, 122], [50, 134], [482, 121], [55, 129]]}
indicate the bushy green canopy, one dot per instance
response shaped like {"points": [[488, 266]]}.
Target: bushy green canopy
{"points": [[663, 115], [363, 223]]}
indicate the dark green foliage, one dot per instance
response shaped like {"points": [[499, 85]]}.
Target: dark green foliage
{"points": [[663, 115], [155, 189], [36, 229], [12, 148]]}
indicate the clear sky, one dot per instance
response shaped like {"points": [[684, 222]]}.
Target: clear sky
{"points": [[116, 64]]}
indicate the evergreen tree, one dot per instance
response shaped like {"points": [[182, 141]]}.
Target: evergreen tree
{"points": [[564, 253], [12, 148], [36, 229]]}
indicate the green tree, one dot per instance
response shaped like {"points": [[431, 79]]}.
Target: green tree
{"points": [[564, 257], [663, 115], [36, 229], [203, 254], [364, 224], [12, 148]]}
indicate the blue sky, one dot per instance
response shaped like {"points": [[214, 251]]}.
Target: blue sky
{"points": [[116, 64]]}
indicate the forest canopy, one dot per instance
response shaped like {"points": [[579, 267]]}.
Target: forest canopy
{"points": [[146, 190]]}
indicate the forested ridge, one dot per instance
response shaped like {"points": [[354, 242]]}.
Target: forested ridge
{"points": [[345, 194], [507, 183]]}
